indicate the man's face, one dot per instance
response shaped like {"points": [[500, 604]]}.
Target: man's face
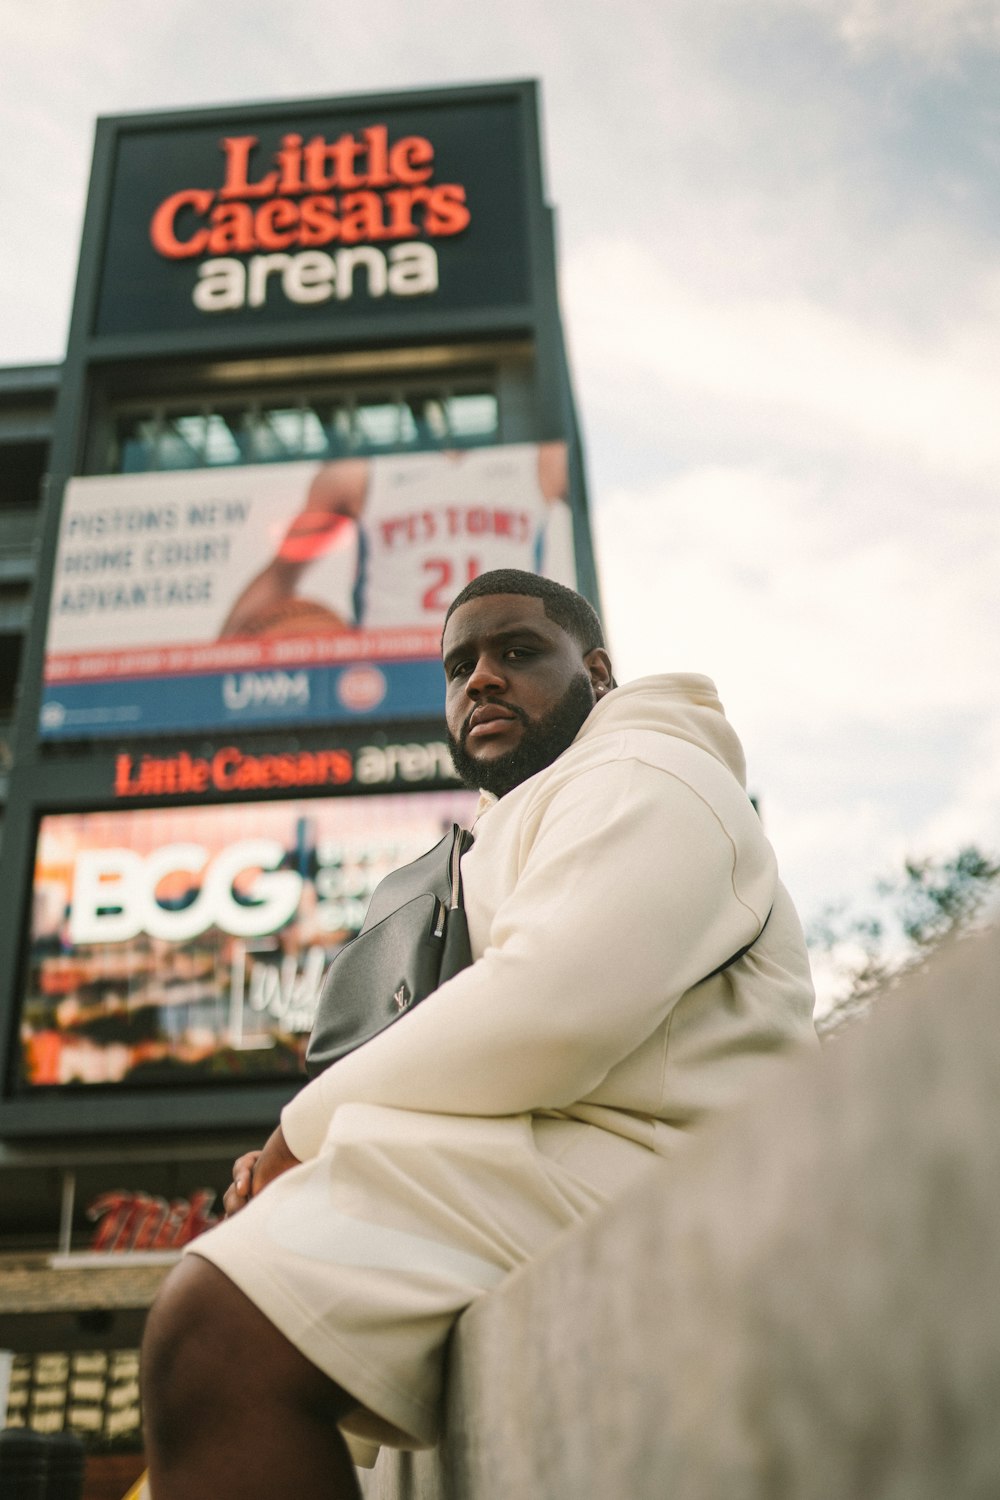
{"points": [[518, 689]]}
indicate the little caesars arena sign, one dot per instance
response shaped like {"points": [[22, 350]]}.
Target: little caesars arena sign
{"points": [[281, 212], [315, 216]]}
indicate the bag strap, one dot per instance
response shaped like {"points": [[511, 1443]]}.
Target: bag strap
{"points": [[739, 952], [462, 842]]}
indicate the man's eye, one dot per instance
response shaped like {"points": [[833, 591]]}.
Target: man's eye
{"points": [[460, 669], [518, 653]]}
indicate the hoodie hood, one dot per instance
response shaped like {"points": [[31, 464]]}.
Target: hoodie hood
{"points": [[683, 704]]}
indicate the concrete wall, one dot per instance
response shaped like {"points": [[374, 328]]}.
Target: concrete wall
{"points": [[806, 1305]]}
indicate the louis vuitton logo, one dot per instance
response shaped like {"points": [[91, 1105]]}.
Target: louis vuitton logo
{"points": [[402, 997]]}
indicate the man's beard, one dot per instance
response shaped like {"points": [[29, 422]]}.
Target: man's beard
{"points": [[541, 742]]}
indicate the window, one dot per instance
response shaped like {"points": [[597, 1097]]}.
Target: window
{"points": [[22, 466], [324, 424]]}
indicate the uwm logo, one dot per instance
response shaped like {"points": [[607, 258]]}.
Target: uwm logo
{"points": [[312, 218], [265, 690]]}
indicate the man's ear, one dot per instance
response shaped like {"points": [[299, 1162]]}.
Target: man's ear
{"points": [[598, 664]]}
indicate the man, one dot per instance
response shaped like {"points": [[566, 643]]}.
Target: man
{"points": [[618, 869]]}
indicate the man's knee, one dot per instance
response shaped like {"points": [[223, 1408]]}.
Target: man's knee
{"points": [[208, 1350], [184, 1350]]}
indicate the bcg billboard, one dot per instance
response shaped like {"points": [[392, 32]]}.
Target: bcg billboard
{"points": [[317, 211], [165, 945]]}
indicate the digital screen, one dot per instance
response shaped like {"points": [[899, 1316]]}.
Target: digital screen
{"points": [[188, 945], [287, 593]]}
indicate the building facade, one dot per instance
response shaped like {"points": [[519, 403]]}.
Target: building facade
{"points": [[315, 381]]}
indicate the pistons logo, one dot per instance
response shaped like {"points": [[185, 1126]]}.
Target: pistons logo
{"points": [[361, 689]]}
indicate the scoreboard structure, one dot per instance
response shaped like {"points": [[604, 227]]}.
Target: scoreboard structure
{"points": [[316, 381]]}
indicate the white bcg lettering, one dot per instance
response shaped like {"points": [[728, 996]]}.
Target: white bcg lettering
{"points": [[114, 892]]}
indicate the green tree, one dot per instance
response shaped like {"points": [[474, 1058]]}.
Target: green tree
{"points": [[909, 915]]}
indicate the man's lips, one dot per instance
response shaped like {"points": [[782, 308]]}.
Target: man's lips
{"points": [[488, 719]]}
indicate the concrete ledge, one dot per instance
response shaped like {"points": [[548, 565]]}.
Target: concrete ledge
{"points": [[805, 1305]]}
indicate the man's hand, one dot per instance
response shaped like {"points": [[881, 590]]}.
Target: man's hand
{"points": [[253, 1172]]}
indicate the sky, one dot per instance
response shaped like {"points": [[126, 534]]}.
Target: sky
{"points": [[779, 247]]}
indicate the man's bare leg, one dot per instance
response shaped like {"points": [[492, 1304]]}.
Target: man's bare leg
{"points": [[231, 1407]]}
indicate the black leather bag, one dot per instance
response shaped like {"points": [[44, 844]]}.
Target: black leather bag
{"points": [[414, 937]]}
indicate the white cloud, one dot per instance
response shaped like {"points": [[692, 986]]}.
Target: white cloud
{"points": [[972, 814], [823, 372], [930, 30], [770, 580], [826, 855], [927, 28], [860, 669]]}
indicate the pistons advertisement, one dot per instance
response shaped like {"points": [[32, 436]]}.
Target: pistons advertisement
{"points": [[324, 212], [189, 945], [283, 594]]}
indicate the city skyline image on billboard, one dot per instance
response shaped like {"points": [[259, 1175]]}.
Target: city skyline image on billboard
{"points": [[187, 945]]}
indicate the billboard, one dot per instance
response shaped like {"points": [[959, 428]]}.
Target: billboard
{"points": [[282, 594], [319, 212], [187, 945]]}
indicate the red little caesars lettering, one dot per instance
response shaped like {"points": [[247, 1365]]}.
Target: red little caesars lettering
{"points": [[230, 770], [321, 165], [384, 189], [160, 777], [163, 228], [239, 228]]}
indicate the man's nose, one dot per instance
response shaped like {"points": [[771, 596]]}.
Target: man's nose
{"points": [[486, 677]]}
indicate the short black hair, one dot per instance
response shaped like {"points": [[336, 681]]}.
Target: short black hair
{"points": [[564, 606]]}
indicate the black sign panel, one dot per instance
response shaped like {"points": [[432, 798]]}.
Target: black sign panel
{"points": [[318, 214]]}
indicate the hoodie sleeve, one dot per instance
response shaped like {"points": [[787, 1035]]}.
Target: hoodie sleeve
{"points": [[627, 896]]}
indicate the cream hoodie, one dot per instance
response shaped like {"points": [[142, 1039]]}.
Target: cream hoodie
{"points": [[600, 893]]}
